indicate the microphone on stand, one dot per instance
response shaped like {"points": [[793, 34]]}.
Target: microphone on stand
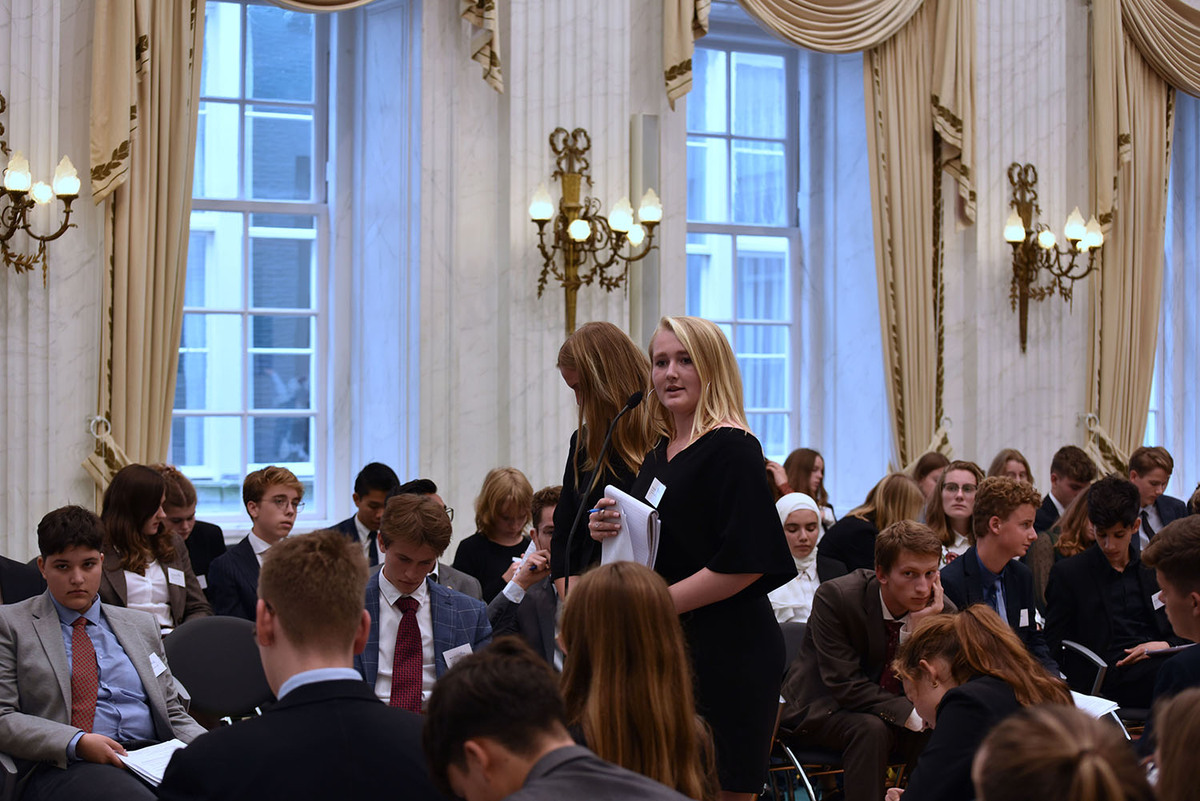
{"points": [[632, 403]]}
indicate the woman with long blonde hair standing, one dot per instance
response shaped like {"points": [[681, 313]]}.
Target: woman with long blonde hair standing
{"points": [[721, 545]]}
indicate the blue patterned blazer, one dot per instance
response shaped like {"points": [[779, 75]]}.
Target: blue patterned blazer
{"points": [[233, 581], [457, 620]]}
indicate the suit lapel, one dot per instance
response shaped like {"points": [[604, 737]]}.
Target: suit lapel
{"points": [[49, 631], [369, 658], [115, 575], [546, 607], [876, 639], [974, 579], [442, 612], [135, 648]]}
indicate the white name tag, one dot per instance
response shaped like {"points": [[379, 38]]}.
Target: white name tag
{"points": [[1024, 618], [1157, 600], [655, 493], [455, 654], [203, 581], [157, 664], [175, 576]]}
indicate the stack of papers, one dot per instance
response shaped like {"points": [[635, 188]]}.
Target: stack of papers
{"points": [[150, 763], [637, 540]]}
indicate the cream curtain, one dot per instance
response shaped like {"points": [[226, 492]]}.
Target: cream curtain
{"points": [[918, 71], [684, 21], [148, 203], [485, 44], [1141, 48]]}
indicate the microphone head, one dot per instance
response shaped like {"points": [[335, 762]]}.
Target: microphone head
{"points": [[634, 399]]}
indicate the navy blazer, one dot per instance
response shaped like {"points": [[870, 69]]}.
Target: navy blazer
{"points": [[457, 620], [1077, 606], [533, 619], [348, 528], [233, 581], [1047, 515], [962, 582], [1169, 509]]}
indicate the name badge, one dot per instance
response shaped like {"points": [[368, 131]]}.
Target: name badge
{"points": [[175, 576], [1157, 600], [1024, 618], [454, 654], [157, 665], [655, 493], [202, 581]]}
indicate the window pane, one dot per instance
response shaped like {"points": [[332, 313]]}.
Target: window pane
{"points": [[759, 181], [208, 450], [281, 381], [762, 353], [763, 292], [210, 372], [708, 170], [759, 95], [282, 271], [710, 276], [279, 142], [279, 54], [214, 271], [771, 430], [216, 173], [282, 440], [220, 75], [706, 104]]}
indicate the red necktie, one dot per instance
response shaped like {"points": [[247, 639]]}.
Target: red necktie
{"points": [[888, 679], [85, 677], [406, 661]]}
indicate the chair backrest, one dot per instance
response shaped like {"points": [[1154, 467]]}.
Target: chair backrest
{"points": [[216, 659], [793, 637]]}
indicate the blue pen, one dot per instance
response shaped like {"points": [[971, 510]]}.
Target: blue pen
{"points": [[593, 511]]}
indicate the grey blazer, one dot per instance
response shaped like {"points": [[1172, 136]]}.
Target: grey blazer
{"points": [[35, 679]]}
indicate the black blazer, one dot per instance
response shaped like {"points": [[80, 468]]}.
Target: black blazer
{"points": [[204, 544], [962, 582], [964, 717], [233, 581], [849, 545], [348, 528], [1180, 672], [19, 581], [331, 739], [1077, 607], [1047, 515], [533, 618]]}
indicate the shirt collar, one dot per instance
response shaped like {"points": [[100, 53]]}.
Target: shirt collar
{"points": [[363, 531], [259, 545], [391, 594], [987, 577], [1057, 505], [887, 613], [68, 616], [316, 675]]}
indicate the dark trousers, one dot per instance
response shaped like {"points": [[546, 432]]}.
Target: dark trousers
{"points": [[84, 781], [866, 743], [1132, 686]]}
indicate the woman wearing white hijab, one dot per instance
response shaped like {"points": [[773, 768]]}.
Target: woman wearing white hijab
{"points": [[801, 520]]}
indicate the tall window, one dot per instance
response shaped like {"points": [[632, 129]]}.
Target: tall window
{"points": [[250, 378], [742, 227]]}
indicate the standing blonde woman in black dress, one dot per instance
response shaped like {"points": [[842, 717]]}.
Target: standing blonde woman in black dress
{"points": [[722, 548]]}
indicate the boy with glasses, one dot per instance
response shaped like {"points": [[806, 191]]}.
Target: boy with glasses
{"points": [[272, 498]]}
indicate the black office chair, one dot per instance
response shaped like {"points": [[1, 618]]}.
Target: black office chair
{"points": [[216, 660]]}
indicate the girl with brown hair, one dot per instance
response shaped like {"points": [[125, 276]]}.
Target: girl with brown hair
{"points": [[949, 509], [1178, 720], [145, 566], [1061, 753], [965, 673], [626, 679], [1012, 463], [805, 469], [603, 367]]}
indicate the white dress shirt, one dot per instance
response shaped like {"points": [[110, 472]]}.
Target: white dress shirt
{"points": [[259, 545], [364, 538], [389, 624], [149, 593]]}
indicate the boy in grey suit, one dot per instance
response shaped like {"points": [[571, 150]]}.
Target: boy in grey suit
{"points": [[74, 694]]}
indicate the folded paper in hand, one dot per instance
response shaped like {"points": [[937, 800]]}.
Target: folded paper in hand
{"points": [[150, 763], [637, 541]]}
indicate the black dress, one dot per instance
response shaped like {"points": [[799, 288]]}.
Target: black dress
{"points": [[585, 550], [849, 545], [487, 561], [716, 513]]}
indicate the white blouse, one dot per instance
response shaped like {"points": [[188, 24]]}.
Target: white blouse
{"points": [[150, 593], [793, 601]]}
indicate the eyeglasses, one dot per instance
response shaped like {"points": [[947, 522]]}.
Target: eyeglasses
{"points": [[450, 513], [282, 504], [967, 489]]}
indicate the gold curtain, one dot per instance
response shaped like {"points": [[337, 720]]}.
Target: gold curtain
{"points": [[485, 44], [148, 203], [1141, 49], [918, 70], [684, 21]]}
